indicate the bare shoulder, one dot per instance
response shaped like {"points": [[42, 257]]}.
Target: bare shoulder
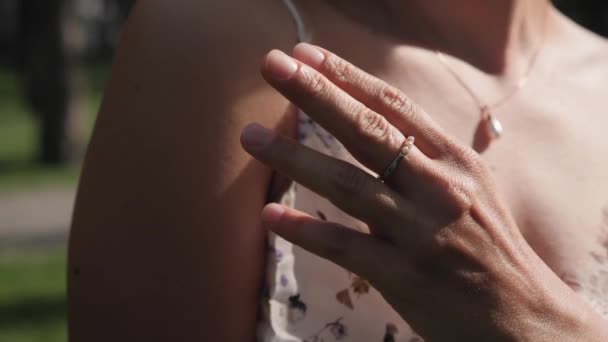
{"points": [[186, 75], [235, 24], [204, 36], [197, 63], [165, 173], [190, 68]]}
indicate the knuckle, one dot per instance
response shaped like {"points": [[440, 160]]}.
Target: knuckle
{"points": [[316, 84], [450, 249], [339, 68], [463, 194], [473, 161], [393, 98], [457, 153], [452, 244], [445, 239], [453, 150], [337, 245], [458, 192], [349, 181], [470, 189], [372, 125], [468, 160]]}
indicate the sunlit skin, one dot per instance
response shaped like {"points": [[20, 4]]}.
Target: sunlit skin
{"points": [[168, 241], [444, 238]]}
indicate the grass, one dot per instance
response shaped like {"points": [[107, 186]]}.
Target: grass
{"points": [[32, 296], [18, 168], [32, 281]]}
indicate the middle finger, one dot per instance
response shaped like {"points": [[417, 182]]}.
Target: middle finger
{"points": [[369, 136]]}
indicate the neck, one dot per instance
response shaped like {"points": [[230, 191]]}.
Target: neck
{"points": [[496, 36]]}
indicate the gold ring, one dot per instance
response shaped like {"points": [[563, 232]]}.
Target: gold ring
{"points": [[405, 149]]}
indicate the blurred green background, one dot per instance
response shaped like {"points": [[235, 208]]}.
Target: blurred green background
{"points": [[54, 63], [43, 50], [32, 284], [18, 132]]}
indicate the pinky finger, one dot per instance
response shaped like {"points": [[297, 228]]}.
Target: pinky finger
{"points": [[357, 252]]}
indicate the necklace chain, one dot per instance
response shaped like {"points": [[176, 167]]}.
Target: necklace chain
{"points": [[485, 107], [521, 83]]}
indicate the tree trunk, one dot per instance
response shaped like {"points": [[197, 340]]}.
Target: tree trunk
{"points": [[45, 75]]}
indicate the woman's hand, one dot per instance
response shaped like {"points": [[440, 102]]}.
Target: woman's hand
{"points": [[444, 250]]}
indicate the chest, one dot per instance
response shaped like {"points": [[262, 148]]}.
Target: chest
{"points": [[551, 164]]}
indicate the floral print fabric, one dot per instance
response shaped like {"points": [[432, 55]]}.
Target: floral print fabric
{"points": [[311, 299]]}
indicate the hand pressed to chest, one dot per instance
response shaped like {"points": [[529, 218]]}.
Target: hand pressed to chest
{"points": [[551, 166]]}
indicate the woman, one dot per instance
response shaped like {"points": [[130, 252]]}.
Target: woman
{"points": [[167, 243]]}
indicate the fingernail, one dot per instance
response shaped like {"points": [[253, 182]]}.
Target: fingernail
{"points": [[280, 66], [309, 54], [271, 214], [255, 136]]}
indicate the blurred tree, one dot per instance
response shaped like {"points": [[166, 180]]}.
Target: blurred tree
{"points": [[51, 36], [8, 21], [115, 13], [43, 64]]}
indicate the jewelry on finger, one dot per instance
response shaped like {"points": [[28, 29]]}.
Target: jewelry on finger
{"points": [[407, 146]]}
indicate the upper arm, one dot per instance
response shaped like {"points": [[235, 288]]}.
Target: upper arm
{"points": [[166, 242]]}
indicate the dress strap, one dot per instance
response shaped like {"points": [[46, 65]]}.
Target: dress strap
{"points": [[303, 34]]}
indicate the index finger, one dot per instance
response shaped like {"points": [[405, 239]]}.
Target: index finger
{"points": [[378, 95]]}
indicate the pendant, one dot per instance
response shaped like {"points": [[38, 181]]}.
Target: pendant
{"points": [[493, 126]]}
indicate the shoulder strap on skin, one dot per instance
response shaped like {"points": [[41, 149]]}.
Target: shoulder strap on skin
{"points": [[303, 34]]}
